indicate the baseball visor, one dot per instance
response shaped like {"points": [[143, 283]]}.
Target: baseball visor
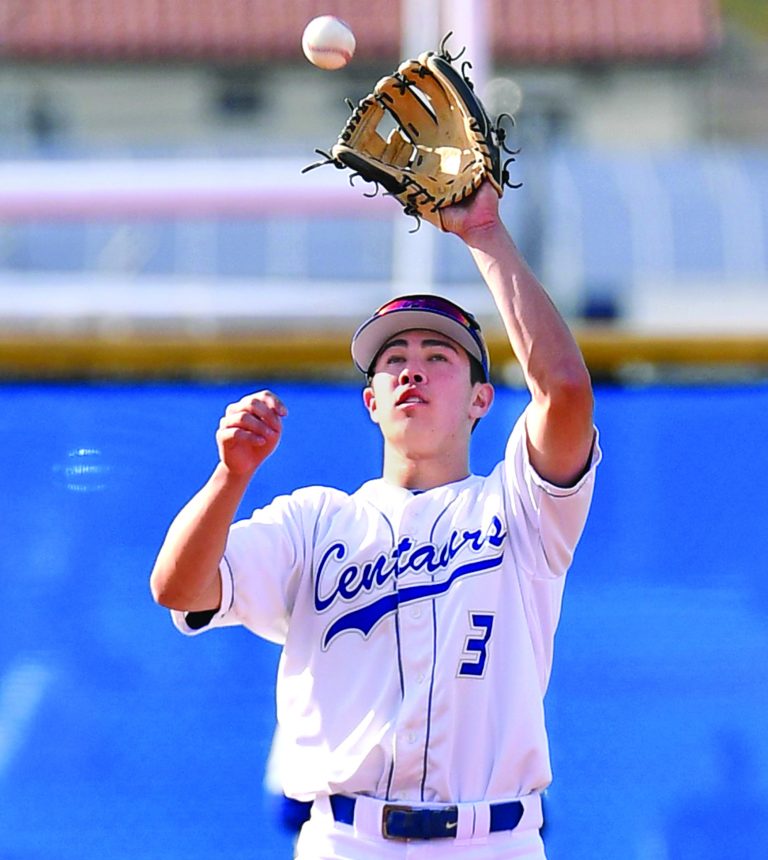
{"points": [[418, 312]]}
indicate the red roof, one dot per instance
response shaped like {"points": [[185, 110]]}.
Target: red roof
{"points": [[257, 30]]}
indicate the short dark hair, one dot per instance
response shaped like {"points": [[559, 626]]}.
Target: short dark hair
{"points": [[476, 372]]}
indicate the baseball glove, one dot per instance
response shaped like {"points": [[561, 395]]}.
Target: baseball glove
{"points": [[443, 144]]}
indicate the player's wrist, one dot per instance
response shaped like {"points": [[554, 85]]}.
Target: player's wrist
{"points": [[482, 233], [232, 478], [489, 240]]}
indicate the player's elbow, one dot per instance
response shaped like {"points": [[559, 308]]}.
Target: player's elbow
{"points": [[161, 587], [167, 588], [569, 390], [574, 390], [188, 590]]}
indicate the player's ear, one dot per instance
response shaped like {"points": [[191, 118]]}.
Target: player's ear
{"points": [[482, 399], [369, 399]]}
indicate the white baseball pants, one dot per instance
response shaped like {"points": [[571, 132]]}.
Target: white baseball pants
{"points": [[323, 838]]}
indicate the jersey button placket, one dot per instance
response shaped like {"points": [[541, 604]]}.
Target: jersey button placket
{"points": [[416, 650]]}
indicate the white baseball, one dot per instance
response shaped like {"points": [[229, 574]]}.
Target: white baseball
{"points": [[328, 42]]}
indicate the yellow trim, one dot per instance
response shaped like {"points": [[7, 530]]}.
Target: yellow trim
{"points": [[610, 349], [320, 354]]}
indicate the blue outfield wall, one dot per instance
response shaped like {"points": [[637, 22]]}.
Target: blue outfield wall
{"points": [[120, 738]]}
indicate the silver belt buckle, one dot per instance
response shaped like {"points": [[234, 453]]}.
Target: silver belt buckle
{"points": [[425, 817], [385, 813]]}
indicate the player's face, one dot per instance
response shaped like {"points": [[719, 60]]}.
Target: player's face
{"points": [[421, 391]]}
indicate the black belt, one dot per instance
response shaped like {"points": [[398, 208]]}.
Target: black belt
{"points": [[417, 822]]}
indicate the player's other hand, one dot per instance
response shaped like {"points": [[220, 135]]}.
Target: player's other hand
{"points": [[250, 431], [480, 212]]}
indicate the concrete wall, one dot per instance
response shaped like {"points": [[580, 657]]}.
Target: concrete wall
{"points": [[197, 105]]}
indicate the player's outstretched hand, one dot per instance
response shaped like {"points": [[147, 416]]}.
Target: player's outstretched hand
{"points": [[250, 431], [478, 212]]}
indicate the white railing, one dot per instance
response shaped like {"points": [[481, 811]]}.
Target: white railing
{"points": [[237, 238]]}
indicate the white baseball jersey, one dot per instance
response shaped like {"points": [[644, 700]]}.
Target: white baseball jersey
{"points": [[417, 628]]}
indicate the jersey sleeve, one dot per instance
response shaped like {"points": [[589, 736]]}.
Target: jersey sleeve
{"points": [[549, 519], [262, 564]]}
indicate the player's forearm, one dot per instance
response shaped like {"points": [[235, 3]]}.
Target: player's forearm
{"points": [[542, 342], [186, 572]]}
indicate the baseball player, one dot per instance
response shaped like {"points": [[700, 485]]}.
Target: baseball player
{"points": [[417, 614]]}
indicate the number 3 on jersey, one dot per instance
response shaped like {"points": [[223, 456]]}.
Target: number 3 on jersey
{"points": [[476, 645]]}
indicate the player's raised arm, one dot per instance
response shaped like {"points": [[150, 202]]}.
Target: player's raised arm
{"points": [[559, 420], [186, 573]]}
